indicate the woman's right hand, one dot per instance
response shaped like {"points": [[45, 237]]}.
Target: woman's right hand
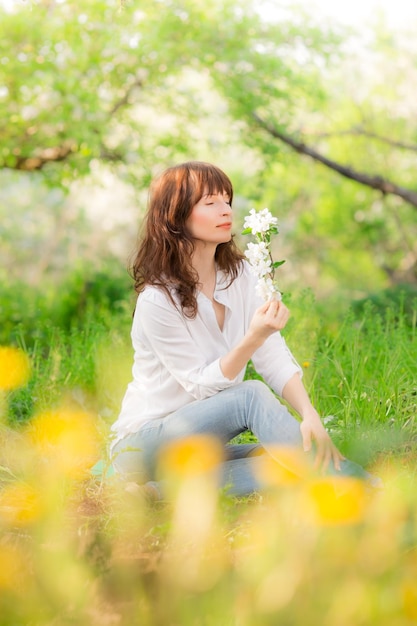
{"points": [[268, 319]]}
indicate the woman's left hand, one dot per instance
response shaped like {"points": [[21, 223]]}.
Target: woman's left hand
{"points": [[312, 429]]}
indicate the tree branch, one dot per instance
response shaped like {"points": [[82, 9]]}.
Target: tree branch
{"points": [[42, 157], [375, 182], [364, 133], [124, 100]]}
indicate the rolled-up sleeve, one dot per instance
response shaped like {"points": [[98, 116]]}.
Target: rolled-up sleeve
{"points": [[275, 363]]}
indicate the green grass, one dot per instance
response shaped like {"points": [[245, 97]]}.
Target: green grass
{"points": [[365, 378], [360, 369], [83, 551]]}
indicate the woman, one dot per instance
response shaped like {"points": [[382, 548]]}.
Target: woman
{"points": [[197, 323]]}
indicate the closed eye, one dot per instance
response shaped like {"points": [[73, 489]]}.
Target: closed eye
{"points": [[226, 198]]}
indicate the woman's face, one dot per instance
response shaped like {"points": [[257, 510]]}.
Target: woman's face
{"points": [[210, 220]]}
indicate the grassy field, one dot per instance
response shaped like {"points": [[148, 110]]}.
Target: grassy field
{"points": [[78, 549]]}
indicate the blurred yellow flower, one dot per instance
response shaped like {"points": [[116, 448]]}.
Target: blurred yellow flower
{"points": [[66, 438], [20, 504], [191, 455], [336, 500], [306, 364], [13, 567], [290, 467], [409, 593], [14, 368]]}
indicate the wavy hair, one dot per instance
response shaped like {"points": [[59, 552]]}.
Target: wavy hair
{"points": [[165, 250]]}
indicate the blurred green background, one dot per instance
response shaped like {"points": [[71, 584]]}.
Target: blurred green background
{"points": [[96, 98], [311, 111]]}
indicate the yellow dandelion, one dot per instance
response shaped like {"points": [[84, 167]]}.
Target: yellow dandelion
{"points": [[66, 438], [306, 364], [14, 368], [193, 455], [336, 500], [20, 504]]}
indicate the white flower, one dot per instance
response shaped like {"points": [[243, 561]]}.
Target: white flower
{"points": [[267, 290], [263, 226], [257, 251], [259, 258], [259, 222]]}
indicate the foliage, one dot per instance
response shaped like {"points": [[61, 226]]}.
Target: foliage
{"points": [[110, 83], [87, 292], [392, 302], [118, 88], [68, 331]]}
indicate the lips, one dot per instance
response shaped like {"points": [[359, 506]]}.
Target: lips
{"points": [[225, 225]]}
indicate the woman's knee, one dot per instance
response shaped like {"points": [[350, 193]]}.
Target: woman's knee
{"points": [[259, 389], [127, 461]]}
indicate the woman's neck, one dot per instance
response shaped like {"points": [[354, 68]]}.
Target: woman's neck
{"points": [[204, 264]]}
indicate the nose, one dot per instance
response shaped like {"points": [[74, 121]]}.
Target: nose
{"points": [[226, 209]]}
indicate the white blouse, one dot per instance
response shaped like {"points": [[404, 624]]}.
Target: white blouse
{"points": [[177, 359]]}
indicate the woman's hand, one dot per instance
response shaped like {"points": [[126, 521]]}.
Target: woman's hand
{"points": [[268, 319], [312, 429]]}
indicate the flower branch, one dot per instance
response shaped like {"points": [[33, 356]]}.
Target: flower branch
{"points": [[263, 226]]}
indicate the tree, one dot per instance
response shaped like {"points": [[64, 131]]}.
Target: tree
{"points": [[357, 120], [69, 83], [86, 84], [137, 88]]}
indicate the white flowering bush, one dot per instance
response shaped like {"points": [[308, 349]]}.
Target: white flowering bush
{"points": [[263, 226]]}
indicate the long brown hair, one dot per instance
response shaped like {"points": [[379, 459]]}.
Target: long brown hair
{"points": [[165, 250]]}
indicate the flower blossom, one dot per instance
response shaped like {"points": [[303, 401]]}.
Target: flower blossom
{"points": [[267, 290], [263, 225], [260, 222], [259, 259], [14, 368]]}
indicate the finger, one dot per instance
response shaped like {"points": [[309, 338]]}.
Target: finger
{"points": [[337, 458], [272, 315], [273, 307], [318, 459], [264, 307], [280, 308], [283, 311], [321, 453], [282, 317], [306, 441], [327, 457]]}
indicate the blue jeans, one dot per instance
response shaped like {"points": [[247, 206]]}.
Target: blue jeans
{"points": [[250, 405]]}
